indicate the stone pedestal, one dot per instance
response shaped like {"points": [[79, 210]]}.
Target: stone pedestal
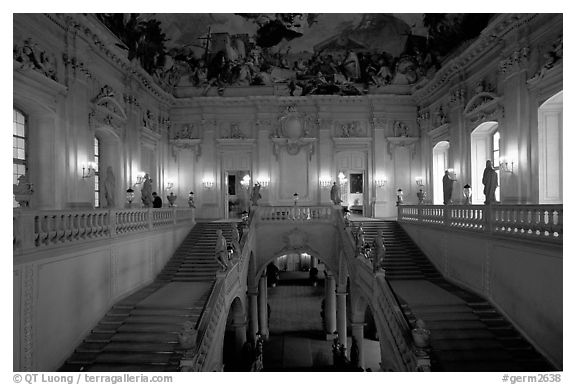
{"points": [[263, 306], [358, 336], [252, 315], [330, 306], [341, 319]]}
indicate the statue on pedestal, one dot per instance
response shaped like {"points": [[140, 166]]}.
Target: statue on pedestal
{"points": [[255, 196], [146, 191], [220, 251], [490, 182], [448, 185], [235, 240], [23, 191], [335, 194], [379, 252], [109, 187]]}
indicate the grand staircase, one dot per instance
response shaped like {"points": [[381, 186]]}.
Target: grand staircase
{"points": [[467, 333], [140, 332]]}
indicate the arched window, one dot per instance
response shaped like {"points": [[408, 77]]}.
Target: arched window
{"points": [[439, 165], [550, 150], [485, 145], [19, 158], [97, 172]]}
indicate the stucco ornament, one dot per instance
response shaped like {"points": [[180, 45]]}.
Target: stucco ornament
{"points": [[296, 239], [293, 132]]}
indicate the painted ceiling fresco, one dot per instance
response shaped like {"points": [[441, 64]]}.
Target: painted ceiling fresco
{"points": [[342, 54]]}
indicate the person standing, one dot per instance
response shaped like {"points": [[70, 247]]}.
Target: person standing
{"points": [[490, 182], [157, 201], [335, 194]]}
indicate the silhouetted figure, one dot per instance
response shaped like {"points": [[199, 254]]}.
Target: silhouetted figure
{"points": [[490, 182]]}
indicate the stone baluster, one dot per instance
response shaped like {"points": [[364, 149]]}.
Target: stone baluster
{"points": [[263, 306], [341, 316], [330, 305]]}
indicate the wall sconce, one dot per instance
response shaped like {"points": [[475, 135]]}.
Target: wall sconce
{"points": [[169, 185], [419, 181], [342, 178], [467, 191], [399, 197], [263, 181], [245, 182], [130, 196], [140, 178], [381, 182], [89, 170], [208, 183], [506, 166], [325, 182]]}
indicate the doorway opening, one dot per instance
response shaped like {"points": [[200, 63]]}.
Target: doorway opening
{"points": [[236, 193]]}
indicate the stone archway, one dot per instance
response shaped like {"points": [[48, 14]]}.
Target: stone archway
{"points": [[234, 338]]}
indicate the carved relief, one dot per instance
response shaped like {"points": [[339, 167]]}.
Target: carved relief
{"points": [[350, 129], [484, 106], [31, 56], [400, 129], [552, 58], [422, 116], [187, 131], [440, 117], [234, 132], [107, 111], [516, 58], [293, 131]]}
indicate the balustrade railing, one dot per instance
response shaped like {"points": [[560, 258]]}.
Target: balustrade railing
{"points": [[34, 230], [542, 222], [295, 213]]}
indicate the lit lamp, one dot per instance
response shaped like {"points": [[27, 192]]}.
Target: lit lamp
{"points": [[130, 196], [263, 181], [342, 178], [506, 166], [140, 178], [208, 183], [399, 197], [245, 182], [325, 182], [380, 182], [171, 198], [191, 199], [296, 197], [88, 171], [421, 194], [467, 191]]}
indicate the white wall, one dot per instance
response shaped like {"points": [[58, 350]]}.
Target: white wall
{"points": [[522, 279], [60, 295]]}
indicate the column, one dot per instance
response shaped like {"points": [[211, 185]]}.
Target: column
{"points": [[358, 336], [263, 306], [313, 262], [239, 336], [253, 313], [330, 305], [341, 312]]}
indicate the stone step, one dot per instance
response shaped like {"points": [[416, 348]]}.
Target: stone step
{"points": [[149, 328], [466, 344], [114, 367], [146, 337], [135, 358]]}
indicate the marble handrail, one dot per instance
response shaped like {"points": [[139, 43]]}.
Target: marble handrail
{"points": [[538, 222], [41, 229], [295, 213]]}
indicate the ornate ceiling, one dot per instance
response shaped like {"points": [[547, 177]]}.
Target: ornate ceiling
{"points": [[343, 54]]}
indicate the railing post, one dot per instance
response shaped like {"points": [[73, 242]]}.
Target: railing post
{"points": [[150, 219], [446, 212], [488, 217], [112, 222]]}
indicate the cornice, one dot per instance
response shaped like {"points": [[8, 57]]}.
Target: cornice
{"points": [[495, 32], [102, 40]]}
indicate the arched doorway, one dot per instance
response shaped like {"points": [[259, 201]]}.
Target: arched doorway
{"points": [[298, 305], [439, 165], [485, 145], [550, 150], [235, 339]]}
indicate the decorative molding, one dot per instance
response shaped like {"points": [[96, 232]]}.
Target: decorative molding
{"points": [[514, 60], [28, 318], [439, 133], [30, 56], [484, 106], [406, 141], [349, 129]]}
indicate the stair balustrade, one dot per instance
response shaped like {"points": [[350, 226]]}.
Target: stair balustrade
{"points": [[295, 213], [538, 222], [41, 229]]}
